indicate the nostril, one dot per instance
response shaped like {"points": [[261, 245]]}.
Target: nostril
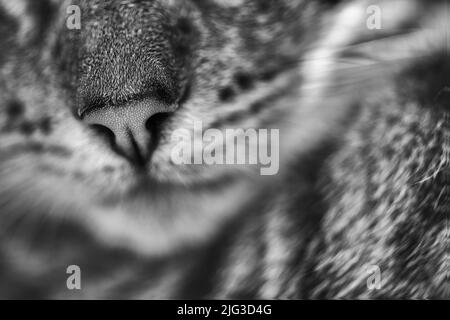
{"points": [[109, 138], [154, 122], [104, 133], [154, 126]]}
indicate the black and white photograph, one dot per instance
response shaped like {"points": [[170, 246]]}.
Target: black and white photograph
{"points": [[232, 150]]}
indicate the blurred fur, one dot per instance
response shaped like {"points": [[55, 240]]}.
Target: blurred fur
{"points": [[364, 124]]}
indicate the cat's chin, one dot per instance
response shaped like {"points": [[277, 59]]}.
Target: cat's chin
{"points": [[135, 211], [158, 218]]}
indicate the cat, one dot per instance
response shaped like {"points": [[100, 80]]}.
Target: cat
{"points": [[92, 92]]}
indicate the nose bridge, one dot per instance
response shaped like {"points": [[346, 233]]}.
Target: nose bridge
{"points": [[128, 54], [124, 70]]}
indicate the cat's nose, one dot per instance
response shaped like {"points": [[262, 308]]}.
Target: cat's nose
{"points": [[129, 127]]}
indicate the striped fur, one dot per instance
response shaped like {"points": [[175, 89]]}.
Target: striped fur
{"points": [[364, 151]]}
